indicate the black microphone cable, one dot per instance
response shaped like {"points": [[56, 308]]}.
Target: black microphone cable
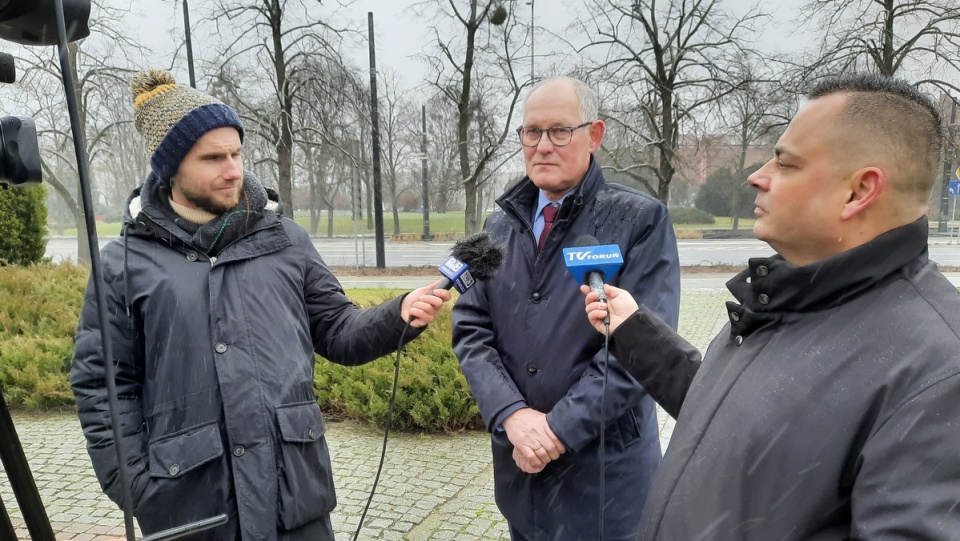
{"points": [[482, 256], [386, 430], [603, 420]]}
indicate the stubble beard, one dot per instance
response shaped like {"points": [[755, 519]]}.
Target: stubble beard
{"points": [[211, 205]]}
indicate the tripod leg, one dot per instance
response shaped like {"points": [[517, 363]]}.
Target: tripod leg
{"points": [[18, 471], [6, 527]]}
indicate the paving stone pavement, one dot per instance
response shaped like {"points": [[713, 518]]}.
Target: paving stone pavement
{"points": [[433, 487]]}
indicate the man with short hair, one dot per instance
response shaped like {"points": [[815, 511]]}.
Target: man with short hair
{"points": [[535, 368], [827, 407], [217, 305]]}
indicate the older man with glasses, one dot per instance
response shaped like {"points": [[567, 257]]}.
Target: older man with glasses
{"points": [[534, 365]]}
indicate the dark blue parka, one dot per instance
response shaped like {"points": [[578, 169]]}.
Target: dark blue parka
{"points": [[523, 340], [215, 361]]}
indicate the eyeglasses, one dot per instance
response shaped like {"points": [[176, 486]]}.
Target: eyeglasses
{"points": [[560, 136]]}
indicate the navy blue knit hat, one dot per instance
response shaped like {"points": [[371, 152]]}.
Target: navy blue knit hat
{"points": [[172, 117]]}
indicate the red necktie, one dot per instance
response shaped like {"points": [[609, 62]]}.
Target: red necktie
{"points": [[549, 214]]}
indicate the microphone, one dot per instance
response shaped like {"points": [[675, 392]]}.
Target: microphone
{"points": [[474, 259], [590, 263]]}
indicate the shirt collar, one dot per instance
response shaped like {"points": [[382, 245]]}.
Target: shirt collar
{"points": [[542, 201]]}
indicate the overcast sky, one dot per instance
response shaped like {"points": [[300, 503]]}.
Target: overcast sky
{"points": [[400, 35]]}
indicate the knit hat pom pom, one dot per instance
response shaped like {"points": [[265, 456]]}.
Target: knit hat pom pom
{"points": [[149, 80]]}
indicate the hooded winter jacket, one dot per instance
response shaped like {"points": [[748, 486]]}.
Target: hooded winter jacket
{"points": [[215, 363], [523, 340], [827, 409]]}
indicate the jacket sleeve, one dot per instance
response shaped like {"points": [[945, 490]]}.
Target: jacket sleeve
{"points": [[909, 470], [342, 332], [657, 357], [88, 380], [475, 346], [651, 273]]}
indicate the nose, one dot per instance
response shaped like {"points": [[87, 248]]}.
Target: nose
{"points": [[760, 178], [233, 168], [545, 144]]}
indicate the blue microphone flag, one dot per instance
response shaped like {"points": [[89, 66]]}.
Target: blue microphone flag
{"points": [[581, 260], [457, 273]]}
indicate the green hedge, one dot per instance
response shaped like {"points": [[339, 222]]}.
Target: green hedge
{"points": [[23, 224], [690, 215], [40, 304]]}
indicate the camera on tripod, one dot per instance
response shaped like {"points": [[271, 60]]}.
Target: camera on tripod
{"points": [[19, 153], [19, 150], [29, 23]]}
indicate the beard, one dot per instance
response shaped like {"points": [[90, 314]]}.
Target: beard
{"points": [[209, 204]]}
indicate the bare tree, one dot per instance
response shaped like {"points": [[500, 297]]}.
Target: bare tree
{"points": [[259, 145], [274, 38], [757, 107], [399, 137], [477, 40], [914, 39], [443, 154], [669, 61], [328, 120]]}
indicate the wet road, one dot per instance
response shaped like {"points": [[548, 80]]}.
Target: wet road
{"points": [[362, 252]]}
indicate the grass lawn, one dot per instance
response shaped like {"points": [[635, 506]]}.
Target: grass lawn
{"points": [[721, 222], [410, 222]]}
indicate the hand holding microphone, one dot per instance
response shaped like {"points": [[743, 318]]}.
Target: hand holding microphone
{"points": [[619, 305], [474, 259], [421, 305]]}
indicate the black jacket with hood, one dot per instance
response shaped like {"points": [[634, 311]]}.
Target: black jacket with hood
{"points": [[215, 365], [827, 409]]}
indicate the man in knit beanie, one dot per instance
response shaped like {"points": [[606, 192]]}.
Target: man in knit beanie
{"points": [[172, 118], [217, 307]]}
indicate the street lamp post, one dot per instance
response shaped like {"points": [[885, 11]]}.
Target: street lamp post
{"points": [[532, 72], [186, 31], [426, 192]]}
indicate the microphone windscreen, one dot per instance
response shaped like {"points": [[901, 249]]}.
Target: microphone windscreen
{"points": [[482, 255], [586, 240]]}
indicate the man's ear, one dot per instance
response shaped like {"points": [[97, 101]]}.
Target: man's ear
{"points": [[597, 129], [865, 185]]}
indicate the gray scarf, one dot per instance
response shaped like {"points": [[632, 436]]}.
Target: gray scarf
{"points": [[215, 235]]}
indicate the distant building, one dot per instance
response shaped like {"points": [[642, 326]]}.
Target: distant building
{"points": [[698, 158]]}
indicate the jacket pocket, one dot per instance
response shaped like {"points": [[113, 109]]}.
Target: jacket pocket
{"points": [[175, 455], [187, 479], [305, 478]]}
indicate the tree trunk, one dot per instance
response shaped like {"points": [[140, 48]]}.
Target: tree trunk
{"points": [[665, 169], [464, 114], [886, 68], [314, 189], [741, 165], [83, 247], [285, 143], [329, 219]]}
